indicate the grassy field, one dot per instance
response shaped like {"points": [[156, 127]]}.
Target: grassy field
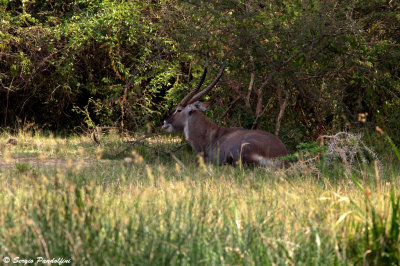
{"points": [[122, 204]]}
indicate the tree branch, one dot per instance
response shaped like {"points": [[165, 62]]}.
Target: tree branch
{"points": [[282, 109], [259, 110], [230, 106], [247, 99]]}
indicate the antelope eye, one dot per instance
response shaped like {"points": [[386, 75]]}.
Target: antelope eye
{"points": [[179, 110]]}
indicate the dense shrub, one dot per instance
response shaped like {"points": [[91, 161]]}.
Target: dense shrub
{"points": [[105, 57]]}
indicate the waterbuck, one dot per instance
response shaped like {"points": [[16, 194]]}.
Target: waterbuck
{"points": [[219, 144]]}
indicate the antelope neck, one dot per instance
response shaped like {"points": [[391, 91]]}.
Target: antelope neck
{"points": [[199, 130]]}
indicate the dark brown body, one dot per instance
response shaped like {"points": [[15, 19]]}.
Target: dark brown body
{"points": [[228, 145]]}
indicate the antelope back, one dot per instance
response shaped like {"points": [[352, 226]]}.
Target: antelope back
{"points": [[249, 146]]}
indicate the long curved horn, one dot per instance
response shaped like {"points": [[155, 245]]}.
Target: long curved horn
{"points": [[195, 89], [209, 87]]}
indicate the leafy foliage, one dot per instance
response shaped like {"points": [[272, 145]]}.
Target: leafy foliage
{"points": [[85, 52]]}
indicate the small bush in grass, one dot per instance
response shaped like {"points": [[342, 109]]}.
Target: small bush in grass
{"points": [[23, 167], [349, 149], [306, 151], [307, 159], [342, 149]]}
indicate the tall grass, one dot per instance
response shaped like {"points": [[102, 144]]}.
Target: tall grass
{"points": [[379, 241], [95, 207]]}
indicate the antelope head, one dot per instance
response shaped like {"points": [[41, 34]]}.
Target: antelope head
{"points": [[191, 103]]}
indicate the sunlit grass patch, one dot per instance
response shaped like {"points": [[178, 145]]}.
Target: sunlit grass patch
{"points": [[29, 144]]}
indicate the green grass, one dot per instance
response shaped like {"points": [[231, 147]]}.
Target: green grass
{"points": [[117, 204]]}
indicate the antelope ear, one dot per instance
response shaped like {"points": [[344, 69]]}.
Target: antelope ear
{"points": [[203, 105]]}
